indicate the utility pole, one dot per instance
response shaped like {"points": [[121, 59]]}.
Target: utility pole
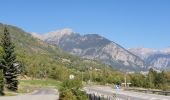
{"points": [[90, 75], [82, 77], [125, 80]]}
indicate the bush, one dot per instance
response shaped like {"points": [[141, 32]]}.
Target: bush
{"points": [[67, 95], [71, 90]]}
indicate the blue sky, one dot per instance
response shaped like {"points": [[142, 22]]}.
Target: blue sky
{"points": [[130, 23]]}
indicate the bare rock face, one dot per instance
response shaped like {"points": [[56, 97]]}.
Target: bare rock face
{"points": [[158, 59], [56, 35], [118, 53], [36, 35], [93, 46]]}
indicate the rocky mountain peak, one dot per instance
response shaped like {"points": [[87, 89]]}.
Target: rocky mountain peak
{"points": [[36, 35], [58, 34], [166, 50], [142, 52], [159, 59]]}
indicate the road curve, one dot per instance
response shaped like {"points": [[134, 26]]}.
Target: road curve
{"points": [[41, 94]]}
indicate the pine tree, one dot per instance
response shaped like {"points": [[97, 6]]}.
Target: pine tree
{"points": [[9, 62], [1, 81], [1, 74]]}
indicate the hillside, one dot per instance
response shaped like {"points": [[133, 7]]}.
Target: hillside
{"points": [[96, 47], [44, 60]]}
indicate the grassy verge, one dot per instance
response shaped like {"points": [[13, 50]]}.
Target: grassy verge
{"points": [[28, 86], [41, 83]]}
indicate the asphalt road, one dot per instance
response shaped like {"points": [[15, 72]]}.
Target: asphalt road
{"points": [[41, 94], [123, 95], [140, 96], [46, 91]]}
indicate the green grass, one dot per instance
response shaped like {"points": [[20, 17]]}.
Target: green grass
{"points": [[27, 86], [41, 83], [10, 94]]}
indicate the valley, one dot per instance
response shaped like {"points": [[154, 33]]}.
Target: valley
{"points": [[47, 61], [85, 50]]}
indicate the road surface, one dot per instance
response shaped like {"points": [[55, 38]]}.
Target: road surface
{"points": [[123, 95], [41, 94]]}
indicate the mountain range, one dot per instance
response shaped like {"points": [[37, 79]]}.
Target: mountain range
{"points": [[158, 59], [89, 49], [94, 46]]}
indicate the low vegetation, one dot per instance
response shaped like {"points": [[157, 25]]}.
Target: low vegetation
{"points": [[152, 80], [28, 86], [71, 90], [41, 83]]}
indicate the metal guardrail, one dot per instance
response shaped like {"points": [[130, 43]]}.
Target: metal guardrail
{"points": [[167, 93], [101, 97], [98, 95]]}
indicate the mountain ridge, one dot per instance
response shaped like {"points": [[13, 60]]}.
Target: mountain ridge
{"points": [[94, 46], [159, 59], [40, 57]]}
